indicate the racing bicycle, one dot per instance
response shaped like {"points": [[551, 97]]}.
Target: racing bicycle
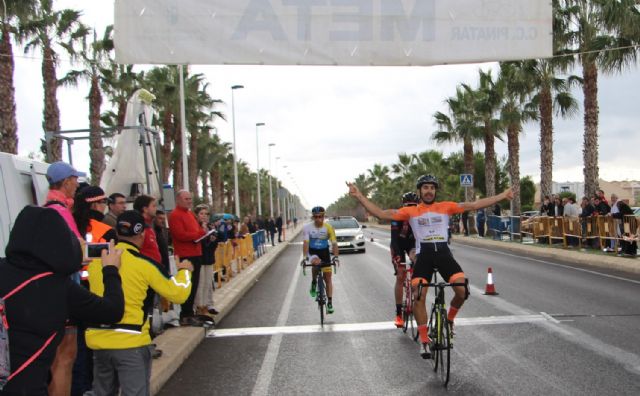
{"points": [[439, 327], [321, 293]]}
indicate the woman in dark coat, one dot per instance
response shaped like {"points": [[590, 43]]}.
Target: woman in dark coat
{"points": [[41, 242]]}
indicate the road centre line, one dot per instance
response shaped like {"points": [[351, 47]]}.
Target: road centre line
{"points": [[369, 326]]}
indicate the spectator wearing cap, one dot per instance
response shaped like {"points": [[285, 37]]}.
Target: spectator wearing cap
{"points": [[63, 183], [122, 351], [117, 204], [146, 205], [36, 314], [89, 205], [185, 231]]}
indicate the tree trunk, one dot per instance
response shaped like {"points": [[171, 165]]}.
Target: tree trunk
{"points": [[513, 143], [51, 112], [590, 149], [122, 112], [468, 168], [546, 142], [205, 187], [165, 150], [96, 148], [193, 163], [8, 123], [489, 159]]}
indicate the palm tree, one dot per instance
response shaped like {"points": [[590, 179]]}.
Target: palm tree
{"points": [[118, 82], [163, 83], [602, 34], [487, 102], [549, 92], [514, 112], [46, 30], [91, 55], [462, 124], [12, 12]]}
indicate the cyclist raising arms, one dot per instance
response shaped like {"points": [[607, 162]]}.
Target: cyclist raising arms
{"points": [[429, 221], [402, 241], [317, 237]]}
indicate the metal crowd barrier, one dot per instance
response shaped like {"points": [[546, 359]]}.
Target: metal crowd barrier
{"points": [[596, 231]]}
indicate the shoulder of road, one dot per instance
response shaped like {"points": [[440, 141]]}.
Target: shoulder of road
{"points": [[587, 258], [178, 344]]}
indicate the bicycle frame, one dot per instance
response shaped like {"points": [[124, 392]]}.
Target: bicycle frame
{"points": [[407, 303], [439, 328]]}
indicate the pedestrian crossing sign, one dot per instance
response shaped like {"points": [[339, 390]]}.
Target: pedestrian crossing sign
{"points": [[466, 180]]}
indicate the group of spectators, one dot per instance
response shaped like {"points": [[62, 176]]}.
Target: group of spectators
{"points": [[93, 333], [589, 207]]}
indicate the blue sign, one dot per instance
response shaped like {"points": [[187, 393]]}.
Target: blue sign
{"points": [[466, 180]]}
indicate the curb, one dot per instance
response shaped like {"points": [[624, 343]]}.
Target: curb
{"points": [[544, 252], [178, 344]]}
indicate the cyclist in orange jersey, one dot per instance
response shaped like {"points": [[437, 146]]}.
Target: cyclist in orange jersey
{"points": [[429, 221]]}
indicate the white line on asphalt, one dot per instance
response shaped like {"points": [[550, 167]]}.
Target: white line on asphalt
{"points": [[556, 264], [370, 326], [265, 374]]}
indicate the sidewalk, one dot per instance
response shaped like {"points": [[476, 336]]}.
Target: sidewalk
{"points": [[585, 258], [178, 343]]}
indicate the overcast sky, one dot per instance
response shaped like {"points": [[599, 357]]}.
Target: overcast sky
{"points": [[330, 124]]}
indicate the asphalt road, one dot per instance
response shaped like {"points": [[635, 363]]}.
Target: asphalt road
{"points": [[553, 330]]}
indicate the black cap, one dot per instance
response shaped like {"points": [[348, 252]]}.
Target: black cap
{"points": [[130, 223]]}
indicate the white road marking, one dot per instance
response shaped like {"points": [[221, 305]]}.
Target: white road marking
{"points": [[370, 326], [556, 264], [263, 381]]}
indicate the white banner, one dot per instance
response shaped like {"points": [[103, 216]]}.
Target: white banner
{"points": [[331, 32]]}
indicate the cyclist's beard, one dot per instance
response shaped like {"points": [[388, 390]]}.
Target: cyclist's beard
{"points": [[318, 223], [428, 198]]}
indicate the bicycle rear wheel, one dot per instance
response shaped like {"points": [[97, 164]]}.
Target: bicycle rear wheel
{"points": [[444, 347]]}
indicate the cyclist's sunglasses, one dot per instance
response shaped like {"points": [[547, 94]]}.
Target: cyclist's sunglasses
{"points": [[318, 216]]}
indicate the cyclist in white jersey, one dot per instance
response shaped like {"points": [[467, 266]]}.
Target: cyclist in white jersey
{"points": [[318, 238]]}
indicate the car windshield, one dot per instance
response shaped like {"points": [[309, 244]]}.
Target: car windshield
{"points": [[343, 223]]}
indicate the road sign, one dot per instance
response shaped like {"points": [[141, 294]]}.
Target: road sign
{"points": [[466, 180]]}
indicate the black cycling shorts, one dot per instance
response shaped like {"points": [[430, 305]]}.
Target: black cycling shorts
{"points": [[436, 257], [323, 255]]}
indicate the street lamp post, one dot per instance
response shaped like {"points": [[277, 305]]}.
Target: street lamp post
{"points": [[258, 124], [270, 188], [278, 190], [235, 157]]}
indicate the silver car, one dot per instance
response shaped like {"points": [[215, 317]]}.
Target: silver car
{"points": [[348, 233]]}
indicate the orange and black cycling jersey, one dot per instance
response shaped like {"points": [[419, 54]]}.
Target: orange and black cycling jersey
{"points": [[429, 223]]}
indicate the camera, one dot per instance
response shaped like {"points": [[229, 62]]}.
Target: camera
{"points": [[94, 250]]}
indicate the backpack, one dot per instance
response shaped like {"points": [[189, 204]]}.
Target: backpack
{"points": [[5, 362]]}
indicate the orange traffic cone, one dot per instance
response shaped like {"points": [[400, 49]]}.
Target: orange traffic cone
{"points": [[490, 289]]}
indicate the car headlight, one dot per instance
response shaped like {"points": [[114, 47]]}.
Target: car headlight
{"points": [[360, 236]]}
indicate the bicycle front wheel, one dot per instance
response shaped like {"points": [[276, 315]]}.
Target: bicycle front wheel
{"points": [[444, 347], [321, 300], [433, 335]]}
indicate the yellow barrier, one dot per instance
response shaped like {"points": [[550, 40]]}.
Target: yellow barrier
{"points": [[572, 230]]}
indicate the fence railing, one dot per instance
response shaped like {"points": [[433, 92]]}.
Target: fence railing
{"points": [[594, 232]]}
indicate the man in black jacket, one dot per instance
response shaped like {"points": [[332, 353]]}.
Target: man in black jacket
{"points": [[41, 242], [279, 227]]}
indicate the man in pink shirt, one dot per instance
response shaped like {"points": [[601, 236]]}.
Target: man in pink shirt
{"points": [[63, 183]]}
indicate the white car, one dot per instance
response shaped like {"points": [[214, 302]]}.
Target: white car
{"points": [[348, 233]]}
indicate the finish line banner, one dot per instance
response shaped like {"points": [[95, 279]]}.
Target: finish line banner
{"points": [[331, 32]]}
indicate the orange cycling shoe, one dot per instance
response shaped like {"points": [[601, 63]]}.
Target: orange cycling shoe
{"points": [[399, 322]]}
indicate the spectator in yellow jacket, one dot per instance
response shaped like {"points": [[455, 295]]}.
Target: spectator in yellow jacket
{"points": [[122, 351]]}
